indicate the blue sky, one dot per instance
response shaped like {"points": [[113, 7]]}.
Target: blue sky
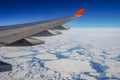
{"points": [[98, 13]]}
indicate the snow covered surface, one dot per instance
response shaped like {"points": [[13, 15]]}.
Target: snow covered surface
{"points": [[66, 66], [77, 54]]}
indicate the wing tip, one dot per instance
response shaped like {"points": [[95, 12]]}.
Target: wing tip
{"points": [[79, 12]]}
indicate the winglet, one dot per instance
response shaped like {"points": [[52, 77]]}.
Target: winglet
{"points": [[79, 13]]}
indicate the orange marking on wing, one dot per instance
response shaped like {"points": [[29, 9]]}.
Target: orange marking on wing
{"points": [[79, 13]]}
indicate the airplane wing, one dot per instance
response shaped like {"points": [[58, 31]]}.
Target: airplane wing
{"points": [[19, 35]]}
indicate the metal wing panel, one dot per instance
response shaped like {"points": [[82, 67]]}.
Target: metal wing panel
{"points": [[11, 35]]}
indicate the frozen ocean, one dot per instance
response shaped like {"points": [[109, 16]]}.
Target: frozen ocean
{"points": [[77, 54]]}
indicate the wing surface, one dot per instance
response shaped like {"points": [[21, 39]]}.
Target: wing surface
{"points": [[14, 33]]}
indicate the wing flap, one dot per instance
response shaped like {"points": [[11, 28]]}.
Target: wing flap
{"points": [[62, 27], [48, 33], [26, 42]]}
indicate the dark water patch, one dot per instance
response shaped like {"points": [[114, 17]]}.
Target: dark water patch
{"points": [[101, 77], [28, 74], [42, 47], [106, 78], [103, 56], [76, 76], [20, 66], [118, 57], [35, 51], [60, 56], [74, 48], [42, 64], [99, 68], [6, 58], [87, 73], [104, 52], [35, 61], [80, 53], [42, 75]]}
